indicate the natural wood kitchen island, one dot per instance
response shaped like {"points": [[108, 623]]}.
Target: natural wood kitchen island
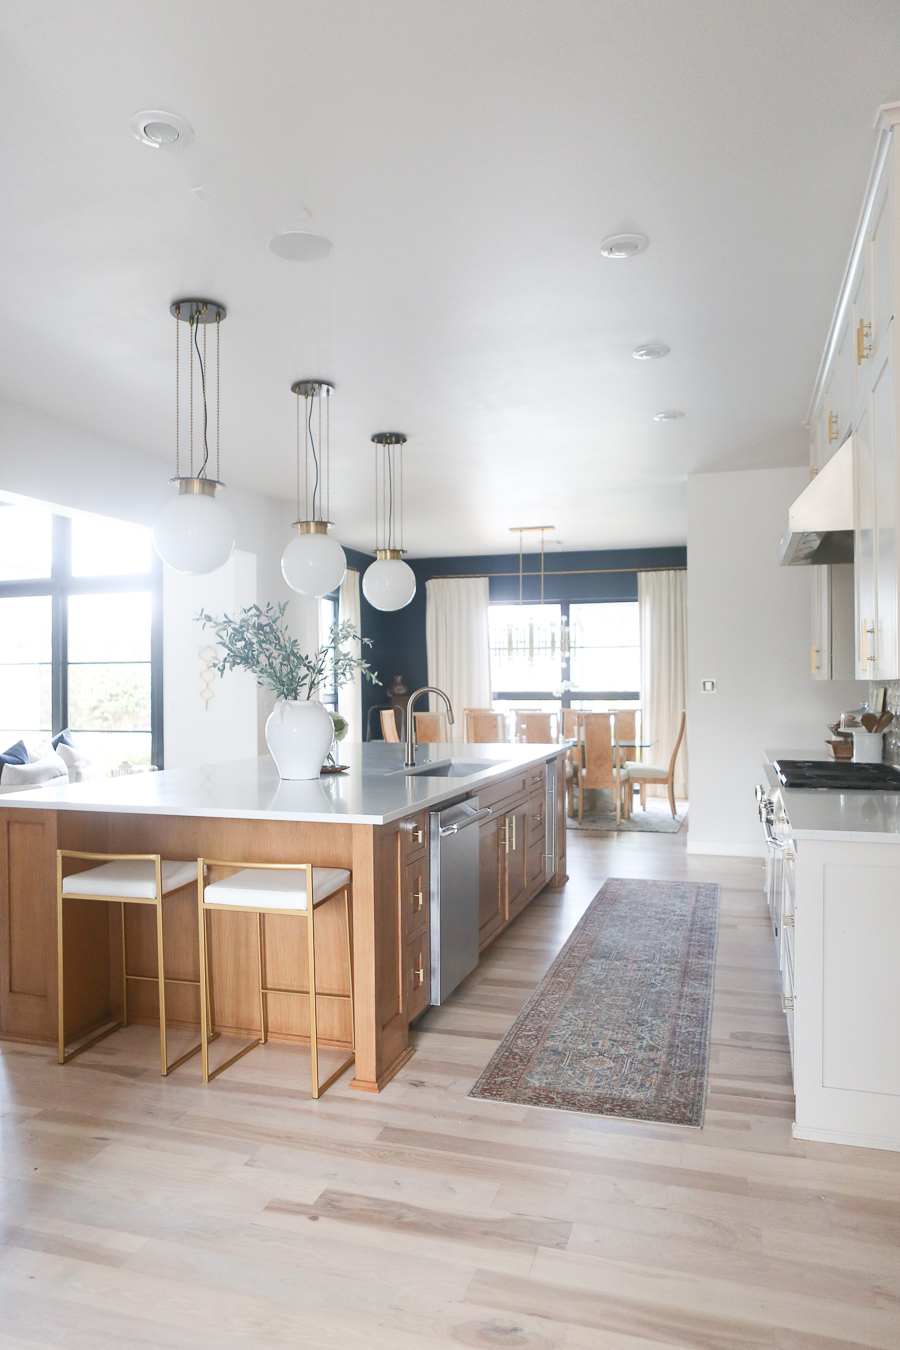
{"points": [[372, 819]]}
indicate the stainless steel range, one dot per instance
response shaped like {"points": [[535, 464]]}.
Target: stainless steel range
{"points": [[843, 775]]}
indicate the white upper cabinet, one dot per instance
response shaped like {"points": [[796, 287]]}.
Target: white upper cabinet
{"points": [[856, 392]]}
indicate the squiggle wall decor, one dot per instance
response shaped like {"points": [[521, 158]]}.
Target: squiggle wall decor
{"points": [[207, 674]]}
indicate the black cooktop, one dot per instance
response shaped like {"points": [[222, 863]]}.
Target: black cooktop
{"points": [[842, 774]]}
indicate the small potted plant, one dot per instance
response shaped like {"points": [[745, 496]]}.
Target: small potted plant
{"points": [[300, 730]]}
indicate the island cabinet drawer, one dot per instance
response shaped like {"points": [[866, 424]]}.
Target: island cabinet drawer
{"points": [[537, 779], [505, 790], [536, 809], [415, 896], [418, 975], [413, 836]]}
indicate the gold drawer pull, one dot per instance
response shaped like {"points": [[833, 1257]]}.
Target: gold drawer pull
{"points": [[863, 347], [416, 834], [419, 974], [418, 896], [537, 818], [787, 921], [833, 426], [787, 1003]]}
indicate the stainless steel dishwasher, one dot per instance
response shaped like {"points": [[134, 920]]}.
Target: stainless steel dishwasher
{"points": [[453, 838]]}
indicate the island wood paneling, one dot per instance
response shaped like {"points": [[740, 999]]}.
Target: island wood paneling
{"points": [[382, 859]]}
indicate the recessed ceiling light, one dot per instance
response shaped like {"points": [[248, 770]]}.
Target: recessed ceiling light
{"points": [[161, 129], [300, 246], [624, 245], [652, 351], [670, 415]]}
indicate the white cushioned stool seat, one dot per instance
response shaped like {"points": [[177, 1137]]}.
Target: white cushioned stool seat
{"points": [[646, 770], [131, 880], [266, 888]]}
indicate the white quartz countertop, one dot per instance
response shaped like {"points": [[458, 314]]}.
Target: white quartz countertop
{"points": [[828, 813], [374, 791]]}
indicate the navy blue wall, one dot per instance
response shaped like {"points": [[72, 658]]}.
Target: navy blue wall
{"points": [[399, 638]]}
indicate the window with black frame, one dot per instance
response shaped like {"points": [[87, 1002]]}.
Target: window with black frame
{"points": [[81, 615], [328, 617], [567, 655]]}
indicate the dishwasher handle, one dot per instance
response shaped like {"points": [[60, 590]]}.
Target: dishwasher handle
{"points": [[463, 824]]}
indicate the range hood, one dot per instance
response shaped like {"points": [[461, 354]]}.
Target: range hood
{"points": [[820, 521]]}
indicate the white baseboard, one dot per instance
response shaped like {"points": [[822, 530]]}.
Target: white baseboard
{"points": [[844, 1137], [716, 848]]}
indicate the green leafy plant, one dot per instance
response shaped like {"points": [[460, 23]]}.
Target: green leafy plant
{"points": [[258, 640]]}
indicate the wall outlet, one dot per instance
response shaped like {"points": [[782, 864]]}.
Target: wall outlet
{"points": [[709, 686]]}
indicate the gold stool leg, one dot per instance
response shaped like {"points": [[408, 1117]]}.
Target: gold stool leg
{"points": [[61, 1026], [262, 982], [161, 973], [204, 984], [311, 957], [124, 971], [350, 969]]}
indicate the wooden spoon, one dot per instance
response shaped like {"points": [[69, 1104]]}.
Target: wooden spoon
{"points": [[884, 721], [869, 722]]}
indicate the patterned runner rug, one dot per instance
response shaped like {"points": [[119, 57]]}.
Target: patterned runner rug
{"points": [[619, 1025]]}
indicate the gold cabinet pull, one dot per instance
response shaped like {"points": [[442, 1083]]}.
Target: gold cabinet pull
{"points": [[787, 1003], [418, 896], [416, 834], [863, 348], [787, 921], [833, 426], [812, 659], [865, 659], [513, 819], [419, 974]]}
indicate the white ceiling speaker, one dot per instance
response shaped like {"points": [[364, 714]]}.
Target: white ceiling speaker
{"points": [[669, 415], [652, 351], [313, 563], [300, 246], [624, 245], [193, 532], [389, 583], [161, 130]]}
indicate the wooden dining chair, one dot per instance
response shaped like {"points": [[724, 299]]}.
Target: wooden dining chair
{"points": [[389, 729], [536, 727], [431, 727], [598, 768], [624, 731], [570, 718], [642, 774], [484, 726]]}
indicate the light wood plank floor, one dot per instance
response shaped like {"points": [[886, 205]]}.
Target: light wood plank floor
{"points": [[141, 1212]]}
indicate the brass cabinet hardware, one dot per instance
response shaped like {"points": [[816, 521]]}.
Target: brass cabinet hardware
{"points": [[832, 427], [419, 974], [864, 658], [513, 819], [418, 895], [416, 834], [863, 348], [813, 662], [787, 1003], [787, 921], [537, 819], [505, 828]]}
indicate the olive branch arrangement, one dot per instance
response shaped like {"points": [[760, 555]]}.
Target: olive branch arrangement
{"points": [[258, 640]]}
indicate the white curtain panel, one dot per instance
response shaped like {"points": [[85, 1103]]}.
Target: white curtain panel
{"points": [[350, 696], [458, 641], [662, 601]]}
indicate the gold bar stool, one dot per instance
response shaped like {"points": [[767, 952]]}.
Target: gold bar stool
{"points": [[273, 888], [123, 879]]}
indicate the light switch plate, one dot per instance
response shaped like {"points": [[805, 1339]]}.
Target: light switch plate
{"points": [[709, 686]]}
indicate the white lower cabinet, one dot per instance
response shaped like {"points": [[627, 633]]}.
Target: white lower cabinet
{"points": [[838, 951]]}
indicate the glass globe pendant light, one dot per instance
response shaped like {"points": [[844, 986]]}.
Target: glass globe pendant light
{"points": [[313, 563], [194, 533], [389, 583]]}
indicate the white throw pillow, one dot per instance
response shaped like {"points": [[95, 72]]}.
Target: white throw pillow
{"points": [[29, 775], [74, 758], [40, 752]]}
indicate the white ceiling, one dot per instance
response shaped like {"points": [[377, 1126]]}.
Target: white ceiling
{"points": [[466, 157]]}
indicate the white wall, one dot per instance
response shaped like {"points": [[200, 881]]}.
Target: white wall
{"points": [[749, 629], [206, 717], [57, 462]]}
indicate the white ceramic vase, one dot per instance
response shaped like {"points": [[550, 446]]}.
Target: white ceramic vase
{"points": [[299, 734]]}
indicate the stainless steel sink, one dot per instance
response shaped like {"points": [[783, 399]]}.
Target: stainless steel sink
{"points": [[453, 768]]}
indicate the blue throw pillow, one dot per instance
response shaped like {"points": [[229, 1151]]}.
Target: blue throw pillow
{"points": [[16, 754], [65, 737]]}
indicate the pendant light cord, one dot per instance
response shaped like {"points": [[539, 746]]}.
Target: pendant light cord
{"points": [[201, 472]]}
